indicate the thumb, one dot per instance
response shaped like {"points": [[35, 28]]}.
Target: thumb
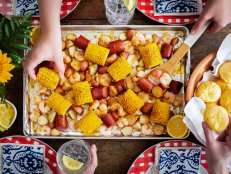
{"points": [[199, 24], [208, 134], [60, 65], [94, 161]]}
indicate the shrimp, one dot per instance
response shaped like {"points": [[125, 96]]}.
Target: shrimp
{"points": [[43, 107]]}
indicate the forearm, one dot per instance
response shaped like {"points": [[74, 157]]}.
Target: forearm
{"points": [[49, 11], [218, 168]]}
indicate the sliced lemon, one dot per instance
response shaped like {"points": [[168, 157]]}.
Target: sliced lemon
{"points": [[5, 121], [130, 4], [35, 33], [2, 129], [3, 108], [71, 164], [176, 128]]}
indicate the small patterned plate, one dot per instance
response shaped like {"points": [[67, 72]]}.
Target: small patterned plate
{"points": [[147, 158], [6, 8], [147, 8], [50, 153]]}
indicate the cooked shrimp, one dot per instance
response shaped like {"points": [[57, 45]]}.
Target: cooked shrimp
{"points": [[43, 107]]}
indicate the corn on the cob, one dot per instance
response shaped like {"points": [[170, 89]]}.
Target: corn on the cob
{"points": [[89, 123], [160, 113], [130, 101], [96, 54], [151, 55], [82, 92], [48, 78], [59, 103], [119, 69]]}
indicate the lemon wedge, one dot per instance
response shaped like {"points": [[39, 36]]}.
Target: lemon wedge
{"points": [[130, 4], [71, 164]]}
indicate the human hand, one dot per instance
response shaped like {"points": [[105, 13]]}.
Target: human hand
{"points": [[48, 48], [94, 161], [218, 11], [218, 150]]}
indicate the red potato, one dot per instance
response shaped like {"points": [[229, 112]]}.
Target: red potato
{"points": [[174, 41], [99, 92], [145, 85], [102, 70], [130, 34], [146, 108], [84, 65], [166, 50], [78, 109], [115, 115], [51, 125], [111, 59], [154, 76], [125, 54], [59, 90], [61, 122], [82, 42], [121, 86], [116, 46]]}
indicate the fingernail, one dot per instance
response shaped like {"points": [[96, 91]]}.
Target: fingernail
{"points": [[94, 146], [193, 32]]}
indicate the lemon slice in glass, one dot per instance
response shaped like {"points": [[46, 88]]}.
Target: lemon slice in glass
{"points": [[71, 164], [130, 4]]}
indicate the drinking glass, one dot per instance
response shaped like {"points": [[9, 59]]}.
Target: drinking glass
{"points": [[76, 149], [117, 13]]}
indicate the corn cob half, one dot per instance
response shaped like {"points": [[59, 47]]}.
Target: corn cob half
{"points": [[151, 55], [59, 103], [48, 78], [96, 54], [119, 69], [130, 101], [160, 113], [89, 123], [82, 93]]}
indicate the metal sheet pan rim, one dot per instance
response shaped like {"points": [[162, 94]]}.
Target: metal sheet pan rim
{"points": [[102, 27]]}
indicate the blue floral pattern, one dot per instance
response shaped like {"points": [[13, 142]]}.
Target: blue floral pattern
{"points": [[179, 161], [177, 6], [25, 6], [22, 159]]}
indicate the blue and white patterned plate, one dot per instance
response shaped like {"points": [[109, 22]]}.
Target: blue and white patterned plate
{"points": [[152, 170], [22, 159], [178, 160], [24, 6], [177, 7]]}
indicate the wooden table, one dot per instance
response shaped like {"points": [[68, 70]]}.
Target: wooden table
{"points": [[115, 156]]}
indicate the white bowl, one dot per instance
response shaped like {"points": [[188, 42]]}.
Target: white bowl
{"points": [[15, 112]]}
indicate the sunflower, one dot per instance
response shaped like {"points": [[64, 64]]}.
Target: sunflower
{"points": [[5, 67]]}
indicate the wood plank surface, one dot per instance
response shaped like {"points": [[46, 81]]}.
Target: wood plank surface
{"points": [[115, 156]]}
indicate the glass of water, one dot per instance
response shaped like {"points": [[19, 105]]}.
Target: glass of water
{"points": [[120, 12], [75, 150]]}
